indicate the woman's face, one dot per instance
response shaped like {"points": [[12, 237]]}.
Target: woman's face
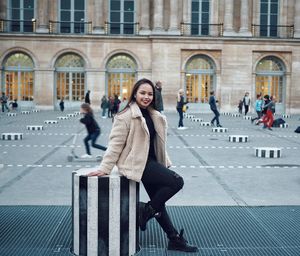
{"points": [[144, 95]]}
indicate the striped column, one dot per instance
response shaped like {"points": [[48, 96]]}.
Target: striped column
{"points": [[238, 138], [12, 136], [34, 127], [50, 122], [219, 129], [104, 215], [11, 114], [63, 117], [266, 152], [205, 123], [25, 112]]}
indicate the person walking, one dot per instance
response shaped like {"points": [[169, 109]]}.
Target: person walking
{"points": [[240, 107], [179, 107], [62, 104], [246, 102], [116, 104], [92, 127], [87, 97], [110, 106], [213, 106], [158, 97], [137, 146], [3, 100], [104, 106], [258, 108]]}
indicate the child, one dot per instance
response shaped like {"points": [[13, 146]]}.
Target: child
{"points": [[92, 127], [62, 104], [14, 105]]}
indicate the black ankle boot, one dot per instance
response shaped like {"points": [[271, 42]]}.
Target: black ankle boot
{"points": [[178, 243], [145, 214]]}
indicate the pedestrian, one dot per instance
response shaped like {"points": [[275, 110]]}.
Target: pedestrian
{"points": [[87, 97], [62, 104], [158, 97], [4, 100], [240, 107], [138, 147], [213, 106], [14, 105], [104, 105], [116, 104], [267, 118], [258, 108], [110, 106], [246, 102], [92, 127], [179, 107], [123, 104]]}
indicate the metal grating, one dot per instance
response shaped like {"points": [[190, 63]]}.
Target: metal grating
{"points": [[216, 230]]}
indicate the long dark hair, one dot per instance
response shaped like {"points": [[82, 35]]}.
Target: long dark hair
{"points": [[135, 89]]}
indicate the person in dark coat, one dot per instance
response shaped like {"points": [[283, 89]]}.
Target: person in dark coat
{"points": [[62, 104], [158, 97], [87, 97], [92, 127], [213, 106]]}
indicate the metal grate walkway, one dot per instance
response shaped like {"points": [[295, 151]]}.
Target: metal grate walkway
{"points": [[216, 230]]}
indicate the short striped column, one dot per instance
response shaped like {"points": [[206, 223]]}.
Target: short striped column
{"points": [[205, 124], [63, 117], [50, 121], [247, 117], [226, 114], [34, 127], [76, 113], [11, 114], [198, 120], [285, 125], [105, 212], [12, 136], [266, 152], [286, 116], [219, 129], [25, 112], [35, 111], [71, 115], [235, 115], [238, 138], [190, 116]]}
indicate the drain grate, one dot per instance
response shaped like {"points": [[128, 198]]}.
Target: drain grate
{"points": [[216, 230]]}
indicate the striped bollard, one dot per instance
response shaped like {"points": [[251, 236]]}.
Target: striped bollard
{"points": [[50, 121], [77, 113], [105, 212], [247, 117], [71, 115], [63, 117], [235, 115], [286, 116], [35, 111], [238, 138], [205, 124], [25, 112], [219, 129], [12, 136], [34, 127], [11, 114], [267, 152]]}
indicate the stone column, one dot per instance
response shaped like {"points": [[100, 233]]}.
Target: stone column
{"points": [[213, 18], [3, 10], [187, 9], [42, 16], [145, 18], [173, 29], [158, 17], [297, 19], [228, 19], [98, 24], [244, 29]]}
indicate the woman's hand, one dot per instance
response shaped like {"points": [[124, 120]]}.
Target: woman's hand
{"points": [[96, 173]]}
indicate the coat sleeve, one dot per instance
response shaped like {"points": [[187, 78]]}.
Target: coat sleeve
{"points": [[117, 141]]}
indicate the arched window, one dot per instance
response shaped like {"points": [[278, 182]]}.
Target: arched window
{"points": [[70, 78], [270, 78], [199, 79], [19, 77], [121, 75]]}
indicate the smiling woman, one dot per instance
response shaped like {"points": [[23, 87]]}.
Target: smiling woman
{"points": [[137, 146]]}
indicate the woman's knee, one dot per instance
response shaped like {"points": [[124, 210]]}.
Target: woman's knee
{"points": [[179, 182]]}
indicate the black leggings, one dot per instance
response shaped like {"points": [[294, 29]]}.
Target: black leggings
{"points": [[161, 184]]}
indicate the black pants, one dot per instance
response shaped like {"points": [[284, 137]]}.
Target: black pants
{"points": [[246, 109], [216, 117], [93, 137], [161, 184], [180, 112]]}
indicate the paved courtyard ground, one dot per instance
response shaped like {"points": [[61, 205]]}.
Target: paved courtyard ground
{"points": [[232, 203]]}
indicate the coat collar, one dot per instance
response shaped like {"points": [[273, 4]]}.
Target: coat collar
{"points": [[136, 112]]}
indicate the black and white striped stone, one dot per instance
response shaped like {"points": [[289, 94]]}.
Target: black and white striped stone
{"points": [[198, 120], [235, 115], [219, 129], [247, 117], [285, 125], [11, 114], [286, 116], [268, 152], [63, 117], [35, 111], [71, 115], [205, 124], [105, 212], [238, 138], [12, 136], [34, 127], [76, 113], [50, 121], [226, 114], [25, 112]]}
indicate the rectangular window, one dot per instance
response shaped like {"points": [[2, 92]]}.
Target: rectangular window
{"points": [[72, 16], [21, 14], [200, 17], [269, 10], [122, 16]]}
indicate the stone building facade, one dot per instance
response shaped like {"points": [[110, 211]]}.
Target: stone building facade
{"points": [[61, 48]]}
